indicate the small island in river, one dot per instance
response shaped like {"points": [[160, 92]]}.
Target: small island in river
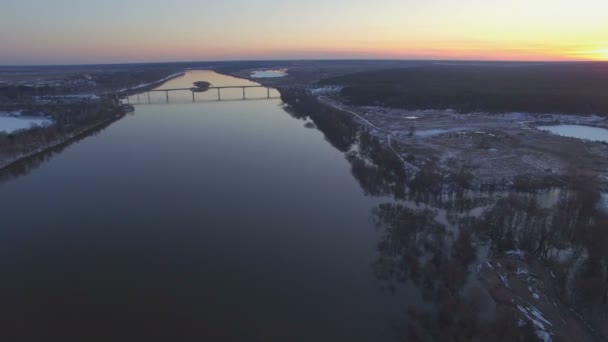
{"points": [[201, 86]]}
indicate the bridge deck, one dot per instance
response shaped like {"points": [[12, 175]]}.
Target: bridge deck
{"points": [[209, 88], [194, 90]]}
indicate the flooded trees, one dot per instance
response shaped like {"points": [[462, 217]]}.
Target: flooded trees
{"points": [[590, 281], [438, 231], [339, 128]]}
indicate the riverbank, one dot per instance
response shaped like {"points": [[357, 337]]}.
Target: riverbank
{"points": [[108, 109], [9, 161], [149, 86], [498, 151], [113, 199]]}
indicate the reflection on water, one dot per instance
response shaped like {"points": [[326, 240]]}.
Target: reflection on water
{"points": [[210, 220], [24, 166], [233, 221], [211, 95], [579, 132], [437, 232]]}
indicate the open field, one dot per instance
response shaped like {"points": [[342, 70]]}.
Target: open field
{"points": [[495, 149]]}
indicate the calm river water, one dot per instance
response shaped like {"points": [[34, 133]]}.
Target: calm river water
{"points": [[219, 220]]}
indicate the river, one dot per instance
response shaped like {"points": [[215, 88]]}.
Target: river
{"points": [[191, 221]]}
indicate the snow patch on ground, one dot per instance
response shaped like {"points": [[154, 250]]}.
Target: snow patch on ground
{"points": [[534, 294], [326, 90], [269, 73], [504, 280], [14, 121], [66, 98], [431, 132], [516, 253], [536, 318]]}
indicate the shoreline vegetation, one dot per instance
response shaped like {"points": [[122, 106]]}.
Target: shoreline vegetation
{"points": [[27, 162], [149, 86], [525, 272], [73, 119], [343, 128], [24, 144], [58, 141]]}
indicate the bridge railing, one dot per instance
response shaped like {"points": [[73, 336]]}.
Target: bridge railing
{"points": [[137, 98]]}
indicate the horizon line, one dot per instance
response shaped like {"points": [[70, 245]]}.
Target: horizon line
{"points": [[303, 60]]}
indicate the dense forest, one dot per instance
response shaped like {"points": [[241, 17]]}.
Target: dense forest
{"points": [[339, 128], [555, 88]]}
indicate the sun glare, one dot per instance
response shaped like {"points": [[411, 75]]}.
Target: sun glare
{"points": [[603, 54], [599, 54]]}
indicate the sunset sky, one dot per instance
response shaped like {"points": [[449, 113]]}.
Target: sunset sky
{"points": [[110, 31]]}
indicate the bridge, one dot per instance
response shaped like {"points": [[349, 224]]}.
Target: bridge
{"points": [[201, 90]]}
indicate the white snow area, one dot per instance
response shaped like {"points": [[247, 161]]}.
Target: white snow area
{"points": [[326, 90], [13, 121], [431, 132], [516, 253], [269, 73], [534, 294], [540, 323], [504, 280], [522, 271]]}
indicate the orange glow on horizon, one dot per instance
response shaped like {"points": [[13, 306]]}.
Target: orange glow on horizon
{"points": [[394, 49], [118, 31]]}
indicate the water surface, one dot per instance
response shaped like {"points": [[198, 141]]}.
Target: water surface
{"points": [[579, 132], [194, 221]]}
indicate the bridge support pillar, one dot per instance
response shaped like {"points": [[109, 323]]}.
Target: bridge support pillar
{"points": [[219, 96], [268, 92], [193, 96], [167, 94], [148, 97], [243, 93]]}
